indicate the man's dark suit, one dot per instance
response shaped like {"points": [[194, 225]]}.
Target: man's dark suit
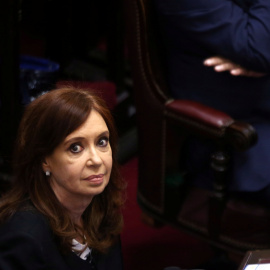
{"points": [[26, 242], [194, 30]]}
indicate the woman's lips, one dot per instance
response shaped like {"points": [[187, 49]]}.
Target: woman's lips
{"points": [[95, 179]]}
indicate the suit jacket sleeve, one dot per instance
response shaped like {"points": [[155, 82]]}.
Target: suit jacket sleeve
{"points": [[223, 27]]}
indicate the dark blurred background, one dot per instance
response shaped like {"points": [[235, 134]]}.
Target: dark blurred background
{"points": [[85, 38]]}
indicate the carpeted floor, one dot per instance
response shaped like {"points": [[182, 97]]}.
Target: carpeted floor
{"points": [[146, 248]]}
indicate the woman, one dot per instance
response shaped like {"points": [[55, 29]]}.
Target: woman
{"points": [[63, 211]]}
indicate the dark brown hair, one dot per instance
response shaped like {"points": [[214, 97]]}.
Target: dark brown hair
{"points": [[47, 121]]}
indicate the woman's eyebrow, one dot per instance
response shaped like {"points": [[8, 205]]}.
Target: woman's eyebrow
{"points": [[73, 139], [104, 133], [80, 138]]}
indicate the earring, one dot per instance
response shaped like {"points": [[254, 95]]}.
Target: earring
{"points": [[47, 173]]}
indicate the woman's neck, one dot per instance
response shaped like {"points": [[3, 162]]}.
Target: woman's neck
{"points": [[75, 205], [78, 227]]}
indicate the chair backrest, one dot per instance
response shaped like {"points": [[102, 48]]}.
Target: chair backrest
{"points": [[146, 49], [208, 215], [151, 95]]}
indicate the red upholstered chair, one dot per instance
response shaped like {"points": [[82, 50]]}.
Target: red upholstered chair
{"points": [[163, 122]]}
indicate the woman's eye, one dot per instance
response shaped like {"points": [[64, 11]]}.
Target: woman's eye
{"points": [[75, 148], [103, 142]]}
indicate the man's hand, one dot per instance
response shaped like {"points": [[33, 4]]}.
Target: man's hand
{"points": [[221, 64]]}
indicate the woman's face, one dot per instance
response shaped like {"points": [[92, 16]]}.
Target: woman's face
{"points": [[81, 165]]}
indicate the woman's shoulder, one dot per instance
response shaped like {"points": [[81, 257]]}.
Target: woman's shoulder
{"points": [[26, 242], [29, 221]]}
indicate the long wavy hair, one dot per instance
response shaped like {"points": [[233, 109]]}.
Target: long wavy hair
{"points": [[47, 121]]}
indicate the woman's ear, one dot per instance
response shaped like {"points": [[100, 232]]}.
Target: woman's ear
{"points": [[45, 166]]}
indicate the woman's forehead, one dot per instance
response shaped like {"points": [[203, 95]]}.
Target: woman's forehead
{"points": [[93, 126]]}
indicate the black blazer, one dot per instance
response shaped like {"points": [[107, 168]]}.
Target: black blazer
{"points": [[26, 242]]}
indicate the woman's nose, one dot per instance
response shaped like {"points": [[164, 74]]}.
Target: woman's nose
{"points": [[94, 158]]}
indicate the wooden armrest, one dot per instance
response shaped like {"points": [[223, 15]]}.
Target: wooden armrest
{"points": [[198, 118], [200, 113]]}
